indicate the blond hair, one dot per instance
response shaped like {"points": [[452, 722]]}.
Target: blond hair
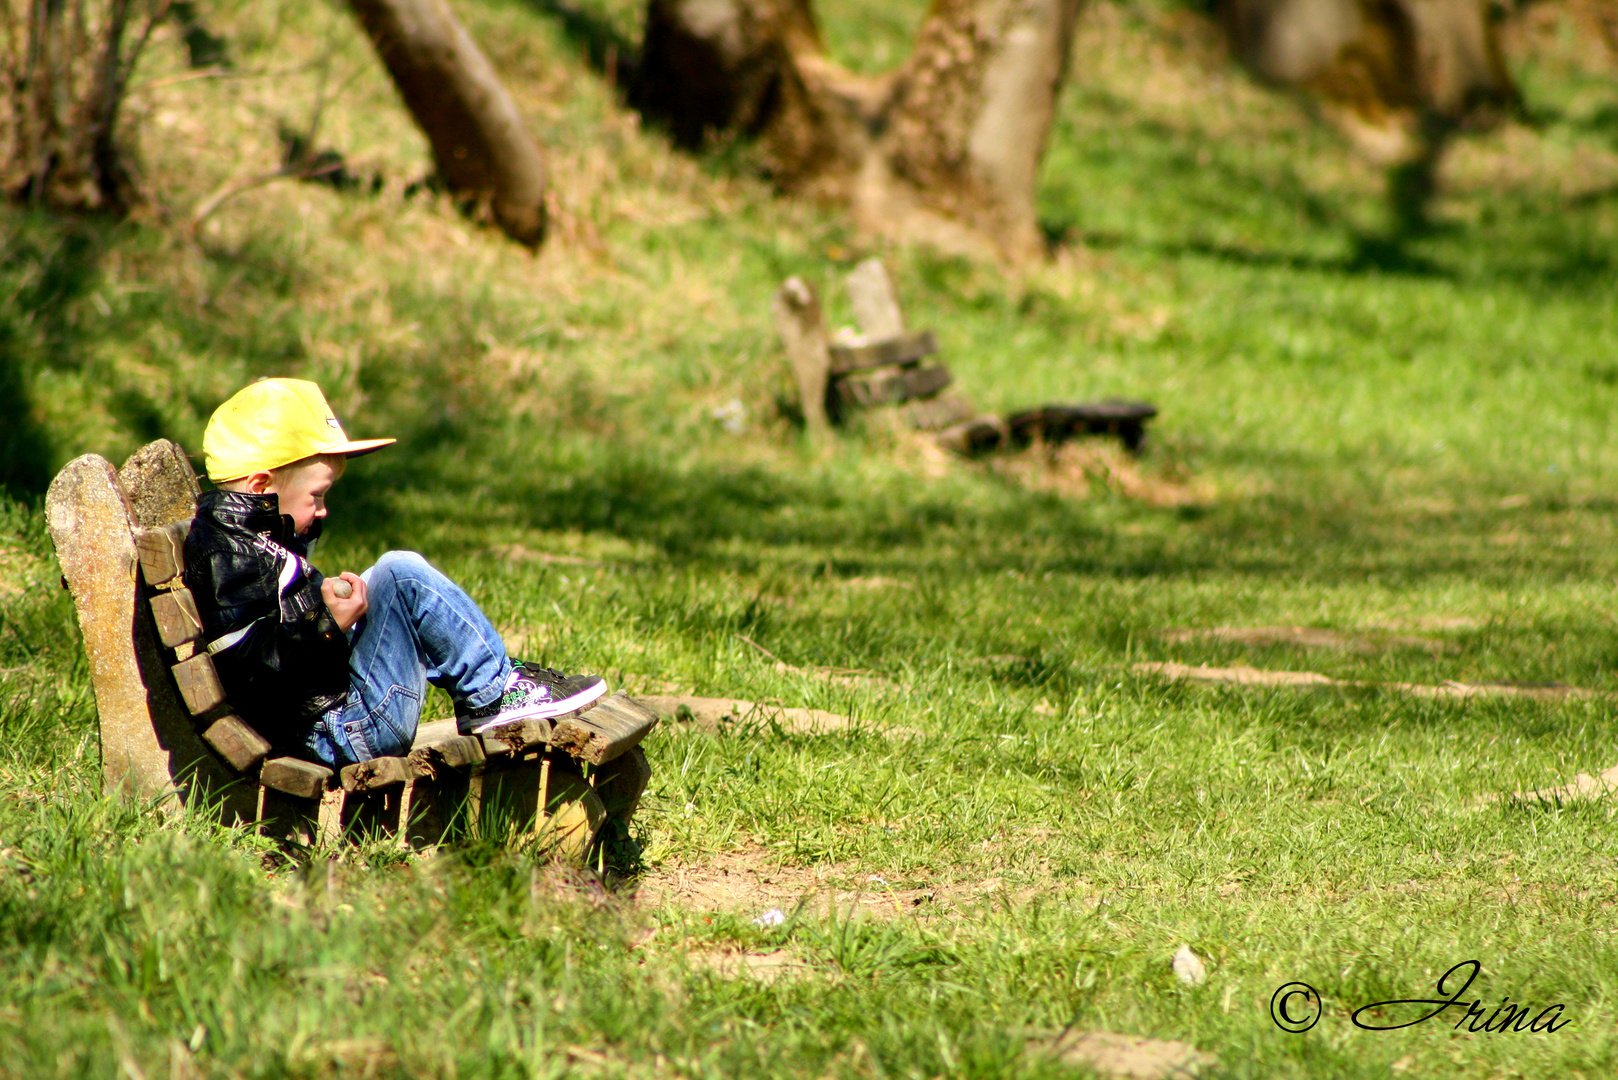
{"points": [[282, 475]]}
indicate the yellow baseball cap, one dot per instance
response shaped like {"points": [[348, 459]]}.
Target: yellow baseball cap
{"points": [[275, 422]]}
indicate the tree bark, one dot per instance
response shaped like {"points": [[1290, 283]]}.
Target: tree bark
{"points": [[66, 65], [481, 147], [1411, 70], [945, 148]]}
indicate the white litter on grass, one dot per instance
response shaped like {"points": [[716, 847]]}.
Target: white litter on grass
{"points": [[773, 917], [732, 416], [1188, 967]]}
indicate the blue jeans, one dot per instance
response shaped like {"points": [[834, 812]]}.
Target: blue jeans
{"points": [[420, 627]]}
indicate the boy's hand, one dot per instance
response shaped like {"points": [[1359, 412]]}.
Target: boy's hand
{"points": [[345, 598]]}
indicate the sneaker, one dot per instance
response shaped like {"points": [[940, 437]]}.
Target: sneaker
{"points": [[533, 693]]}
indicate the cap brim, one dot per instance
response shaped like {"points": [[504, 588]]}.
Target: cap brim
{"points": [[356, 447]]}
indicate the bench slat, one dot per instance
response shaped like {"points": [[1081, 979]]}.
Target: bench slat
{"points": [[161, 551], [236, 742], [178, 621], [459, 752], [892, 387], [602, 733], [900, 350], [375, 774], [516, 738], [199, 684], [294, 776]]}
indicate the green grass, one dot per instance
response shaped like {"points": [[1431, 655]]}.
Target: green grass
{"points": [[1386, 436]]}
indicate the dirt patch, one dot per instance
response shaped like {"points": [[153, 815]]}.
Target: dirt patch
{"points": [[1090, 466], [858, 678], [1309, 637], [1584, 786], [1250, 676], [763, 966], [854, 678], [1128, 1057], [1438, 622], [754, 882], [734, 714]]}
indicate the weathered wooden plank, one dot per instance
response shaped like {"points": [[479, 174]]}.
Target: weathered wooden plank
{"points": [[160, 483], [876, 305], [148, 746], [376, 814], [972, 437], [199, 684], [375, 774], [516, 738], [440, 807], [936, 414], [510, 801], [900, 350], [1058, 423], [88, 521], [236, 742], [175, 612], [610, 728], [433, 732], [287, 817], [461, 752], [891, 387], [457, 752], [329, 819], [162, 551], [796, 308], [572, 812], [621, 782], [294, 776]]}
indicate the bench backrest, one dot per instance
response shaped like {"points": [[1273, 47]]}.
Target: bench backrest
{"points": [[99, 519]]}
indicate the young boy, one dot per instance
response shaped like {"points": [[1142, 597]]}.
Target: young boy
{"points": [[326, 672]]}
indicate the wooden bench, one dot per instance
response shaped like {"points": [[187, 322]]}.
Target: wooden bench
{"points": [[882, 365], [168, 734]]}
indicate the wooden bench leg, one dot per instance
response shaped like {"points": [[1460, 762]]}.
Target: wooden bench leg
{"points": [[330, 817], [621, 782], [443, 807], [287, 817], [572, 810]]}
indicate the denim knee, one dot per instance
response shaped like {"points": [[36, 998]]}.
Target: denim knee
{"points": [[400, 564]]}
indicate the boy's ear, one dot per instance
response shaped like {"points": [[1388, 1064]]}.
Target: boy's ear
{"points": [[258, 483]]}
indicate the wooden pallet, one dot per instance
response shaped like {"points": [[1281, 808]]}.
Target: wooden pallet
{"points": [[168, 732]]}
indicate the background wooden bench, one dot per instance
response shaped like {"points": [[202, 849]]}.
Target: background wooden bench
{"points": [[168, 734]]}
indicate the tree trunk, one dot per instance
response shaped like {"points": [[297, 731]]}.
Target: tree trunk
{"points": [[971, 113], [482, 149], [66, 65], [1403, 72], [946, 148]]}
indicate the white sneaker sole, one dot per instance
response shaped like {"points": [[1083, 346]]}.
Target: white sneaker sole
{"points": [[548, 709]]}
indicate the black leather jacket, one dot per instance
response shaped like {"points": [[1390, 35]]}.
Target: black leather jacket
{"points": [[279, 652]]}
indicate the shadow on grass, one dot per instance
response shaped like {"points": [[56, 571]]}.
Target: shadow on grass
{"points": [[607, 50], [704, 514]]}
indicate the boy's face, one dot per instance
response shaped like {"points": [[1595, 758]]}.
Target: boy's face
{"points": [[302, 491]]}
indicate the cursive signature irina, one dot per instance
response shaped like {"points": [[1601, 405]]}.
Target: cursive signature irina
{"points": [[1505, 1017]]}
